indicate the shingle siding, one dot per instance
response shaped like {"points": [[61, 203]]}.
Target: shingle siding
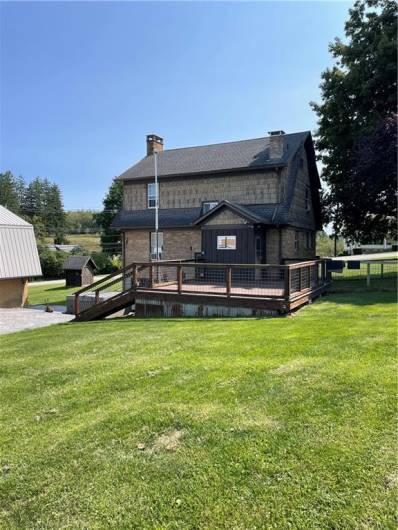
{"points": [[246, 188]]}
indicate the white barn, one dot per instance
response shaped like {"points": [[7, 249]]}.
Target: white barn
{"points": [[19, 259]]}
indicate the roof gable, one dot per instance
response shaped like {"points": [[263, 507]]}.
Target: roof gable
{"points": [[78, 263], [236, 209]]}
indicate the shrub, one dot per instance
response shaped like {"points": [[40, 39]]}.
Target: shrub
{"points": [[52, 262]]}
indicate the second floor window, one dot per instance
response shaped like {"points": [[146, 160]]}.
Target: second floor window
{"points": [[207, 206], [307, 198], [152, 195]]}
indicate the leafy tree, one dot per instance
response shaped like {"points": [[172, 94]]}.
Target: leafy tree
{"points": [[11, 191], [325, 245], [81, 222], [358, 95], [113, 201]]}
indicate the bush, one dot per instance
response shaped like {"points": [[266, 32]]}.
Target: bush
{"points": [[103, 262], [52, 262]]}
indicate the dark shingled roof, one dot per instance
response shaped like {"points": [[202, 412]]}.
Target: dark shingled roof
{"points": [[74, 263], [183, 217], [252, 154]]}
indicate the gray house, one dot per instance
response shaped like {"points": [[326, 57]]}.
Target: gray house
{"points": [[251, 201]]}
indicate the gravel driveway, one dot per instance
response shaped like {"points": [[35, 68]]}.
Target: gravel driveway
{"points": [[17, 319]]}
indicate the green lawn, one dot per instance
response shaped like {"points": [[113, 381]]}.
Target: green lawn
{"points": [[203, 424], [91, 242], [52, 293]]}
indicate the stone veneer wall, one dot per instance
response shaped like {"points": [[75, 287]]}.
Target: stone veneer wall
{"points": [[287, 247], [178, 244], [190, 192]]}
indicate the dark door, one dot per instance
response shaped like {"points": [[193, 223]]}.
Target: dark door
{"points": [[228, 245]]}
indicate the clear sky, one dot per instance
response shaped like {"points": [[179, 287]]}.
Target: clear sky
{"points": [[82, 83]]}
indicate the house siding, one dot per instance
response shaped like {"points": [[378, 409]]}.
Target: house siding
{"points": [[178, 244], [244, 188], [298, 214]]}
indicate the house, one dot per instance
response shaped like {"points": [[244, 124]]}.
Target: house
{"points": [[79, 271], [19, 259], [63, 248], [251, 201]]}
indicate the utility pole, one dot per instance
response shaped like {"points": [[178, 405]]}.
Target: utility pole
{"points": [[155, 158]]}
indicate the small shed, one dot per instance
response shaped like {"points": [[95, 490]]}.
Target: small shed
{"points": [[79, 271], [19, 259]]}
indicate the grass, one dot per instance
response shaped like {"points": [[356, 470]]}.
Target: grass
{"points": [[56, 293], [53, 293], [90, 242], [355, 279], [203, 424]]}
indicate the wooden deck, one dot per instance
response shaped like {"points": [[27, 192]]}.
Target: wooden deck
{"points": [[176, 285]]}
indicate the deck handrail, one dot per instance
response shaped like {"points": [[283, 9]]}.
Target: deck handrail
{"points": [[284, 284]]}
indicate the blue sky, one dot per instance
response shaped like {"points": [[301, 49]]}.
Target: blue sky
{"points": [[83, 83]]}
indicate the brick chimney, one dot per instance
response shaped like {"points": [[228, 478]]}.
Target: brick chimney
{"points": [[276, 144], [153, 143]]}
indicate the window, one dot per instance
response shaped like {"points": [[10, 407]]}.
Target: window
{"points": [[159, 246], [307, 198], [296, 240], [207, 206], [152, 195], [309, 240], [226, 242]]}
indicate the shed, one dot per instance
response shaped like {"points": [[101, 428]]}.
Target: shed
{"points": [[19, 258], [79, 271]]}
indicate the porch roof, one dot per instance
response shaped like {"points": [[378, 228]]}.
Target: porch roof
{"points": [[191, 217]]}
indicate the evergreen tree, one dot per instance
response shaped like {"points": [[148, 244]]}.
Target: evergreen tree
{"points": [[110, 239], [11, 191]]}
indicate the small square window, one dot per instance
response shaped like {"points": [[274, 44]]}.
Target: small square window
{"points": [[226, 242], [207, 206]]}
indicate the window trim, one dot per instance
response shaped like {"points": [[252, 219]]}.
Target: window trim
{"points": [[296, 240], [156, 196], [208, 202], [160, 233]]}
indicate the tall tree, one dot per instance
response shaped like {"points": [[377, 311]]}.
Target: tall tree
{"points": [[42, 206], [359, 96], [110, 239], [11, 191]]}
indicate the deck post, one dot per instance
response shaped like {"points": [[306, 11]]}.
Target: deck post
{"points": [[97, 296], [77, 304], [300, 278], [151, 276], [134, 277], [179, 279], [287, 282], [228, 277]]}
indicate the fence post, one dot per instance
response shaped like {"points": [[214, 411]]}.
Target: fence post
{"points": [[287, 282], [228, 279], [382, 270], [368, 275], [179, 279], [77, 304]]}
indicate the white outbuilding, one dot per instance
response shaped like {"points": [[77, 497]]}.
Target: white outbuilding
{"points": [[19, 258]]}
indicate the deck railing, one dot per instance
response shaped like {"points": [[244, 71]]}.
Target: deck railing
{"points": [[283, 282]]}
